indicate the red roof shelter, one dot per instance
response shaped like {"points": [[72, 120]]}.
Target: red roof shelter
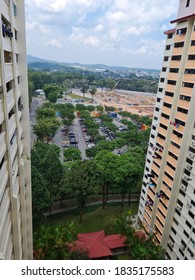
{"points": [[97, 245]]}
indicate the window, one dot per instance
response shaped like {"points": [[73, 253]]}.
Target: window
{"points": [[186, 98], [176, 57], [188, 85], [171, 82], [169, 93], [16, 34], [188, 224], [187, 3], [182, 110], [7, 57], [174, 70], [164, 69], [191, 57], [17, 57], [170, 36], [189, 71], [160, 89], [179, 45], [193, 43], [166, 58], [162, 80], [168, 47], [167, 105]]}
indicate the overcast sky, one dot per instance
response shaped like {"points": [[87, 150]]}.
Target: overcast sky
{"points": [[113, 32]]}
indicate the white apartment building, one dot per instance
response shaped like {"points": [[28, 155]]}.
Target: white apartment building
{"points": [[167, 202], [15, 182]]}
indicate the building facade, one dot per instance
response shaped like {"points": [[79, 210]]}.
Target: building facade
{"points": [[15, 182], [167, 202]]}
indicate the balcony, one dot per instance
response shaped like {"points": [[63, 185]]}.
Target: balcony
{"points": [[168, 181], [181, 116], [151, 194], [177, 140], [174, 150], [190, 64], [2, 145], [160, 217], [13, 150], [12, 125], [164, 121], [10, 99], [172, 161], [191, 50], [162, 131], [162, 208], [183, 104], [159, 226], [3, 178], [8, 72], [1, 111], [168, 99], [166, 110], [172, 76], [155, 169], [170, 171], [178, 51], [180, 38], [168, 193], [158, 236], [175, 64], [189, 78], [160, 141], [147, 219]]}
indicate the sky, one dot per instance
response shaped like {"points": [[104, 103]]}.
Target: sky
{"points": [[113, 32]]}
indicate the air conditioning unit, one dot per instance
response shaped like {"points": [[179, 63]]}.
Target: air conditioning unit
{"points": [[184, 188], [181, 247], [185, 178], [189, 205], [193, 143], [191, 155], [178, 208], [188, 167], [170, 244]]}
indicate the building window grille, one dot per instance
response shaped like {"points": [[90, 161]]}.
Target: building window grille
{"points": [[168, 47]]}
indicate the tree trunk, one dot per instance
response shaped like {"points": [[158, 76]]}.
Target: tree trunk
{"points": [[122, 201], [81, 212], [129, 198], [103, 196]]}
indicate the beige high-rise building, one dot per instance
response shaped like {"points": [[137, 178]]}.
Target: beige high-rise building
{"points": [[167, 202], [15, 182]]}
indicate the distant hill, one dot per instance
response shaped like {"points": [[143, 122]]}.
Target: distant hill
{"points": [[31, 59], [39, 63]]}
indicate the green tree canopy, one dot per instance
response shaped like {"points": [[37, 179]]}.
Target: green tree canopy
{"points": [[72, 154]]}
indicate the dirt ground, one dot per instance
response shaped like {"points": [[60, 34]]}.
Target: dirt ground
{"points": [[134, 102]]}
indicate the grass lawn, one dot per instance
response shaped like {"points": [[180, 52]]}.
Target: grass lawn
{"points": [[94, 219], [78, 96]]}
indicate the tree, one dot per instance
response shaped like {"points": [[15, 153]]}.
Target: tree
{"points": [[42, 149], [45, 129], [42, 113], [72, 154], [40, 197], [52, 171], [50, 88], [83, 179], [110, 83], [84, 89], [141, 248], [107, 164], [92, 91], [50, 242], [52, 96]]}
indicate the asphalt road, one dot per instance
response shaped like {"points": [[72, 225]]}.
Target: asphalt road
{"points": [[79, 136]]}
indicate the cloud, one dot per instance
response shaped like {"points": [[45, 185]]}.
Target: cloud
{"points": [[109, 25], [54, 42]]}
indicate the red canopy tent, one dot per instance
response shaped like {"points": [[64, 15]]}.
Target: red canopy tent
{"points": [[97, 245]]}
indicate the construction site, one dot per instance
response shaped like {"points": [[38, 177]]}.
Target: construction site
{"points": [[138, 103]]}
